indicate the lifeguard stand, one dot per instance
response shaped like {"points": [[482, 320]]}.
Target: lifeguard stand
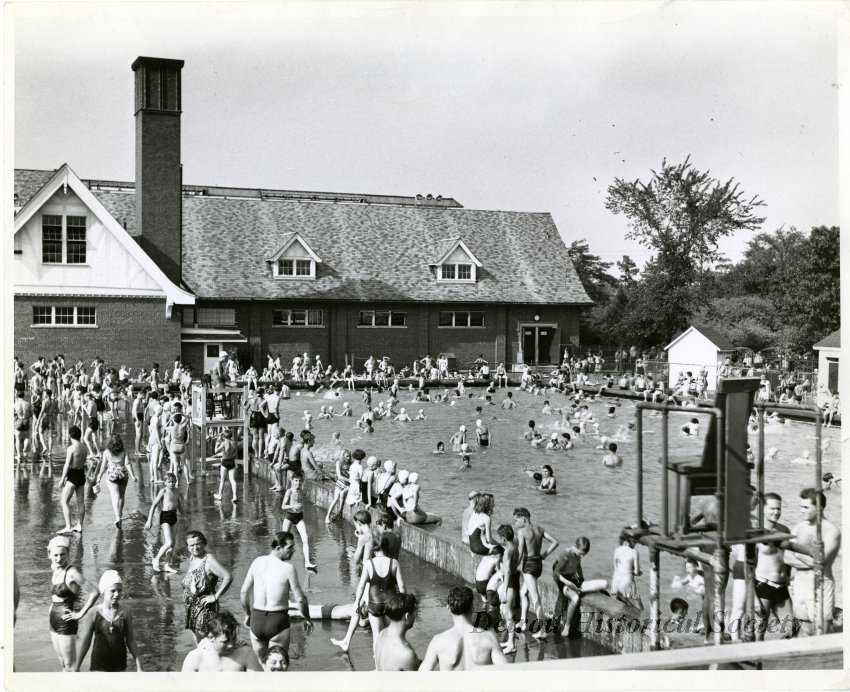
{"points": [[221, 407], [720, 473]]}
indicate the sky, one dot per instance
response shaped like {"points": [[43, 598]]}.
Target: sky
{"points": [[524, 107]]}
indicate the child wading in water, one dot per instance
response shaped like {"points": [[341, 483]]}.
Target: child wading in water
{"points": [[112, 629], [626, 568], [293, 506], [227, 448], [171, 504]]}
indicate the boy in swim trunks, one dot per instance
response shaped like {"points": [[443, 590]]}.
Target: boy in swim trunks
{"points": [[511, 580], [221, 651], [293, 506], [171, 503], [228, 450], [73, 480]]}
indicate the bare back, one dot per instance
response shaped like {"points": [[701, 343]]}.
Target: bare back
{"points": [[272, 580]]}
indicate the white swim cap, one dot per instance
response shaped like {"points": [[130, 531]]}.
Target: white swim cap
{"points": [[389, 466], [554, 436], [422, 410], [413, 477], [772, 452], [463, 428], [806, 454], [402, 410], [59, 542], [345, 404], [478, 422], [464, 447], [110, 578], [371, 461], [402, 476], [604, 439]]}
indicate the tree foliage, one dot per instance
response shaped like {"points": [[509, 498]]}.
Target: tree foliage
{"points": [[592, 271]]}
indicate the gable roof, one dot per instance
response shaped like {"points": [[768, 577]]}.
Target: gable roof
{"points": [[64, 176], [715, 337], [831, 341], [370, 252], [450, 246], [289, 239]]}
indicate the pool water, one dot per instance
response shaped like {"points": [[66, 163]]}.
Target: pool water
{"points": [[237, 534], [592, 500]]}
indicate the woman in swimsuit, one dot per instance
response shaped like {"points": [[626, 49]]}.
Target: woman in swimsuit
{"points": [[117, 469], [383, 577], [111, 627], [66, 586], [342, 483], [480, 539], [205, 582], [410, 495], [385, 482], [309, 466]]}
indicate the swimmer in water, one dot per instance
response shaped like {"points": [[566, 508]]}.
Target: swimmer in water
{"points": [[803, 459], [464, 456], [441, 449], [402, 416], [691, 429], [612, 458], [603, 443], [771, 454], [548, 484], [421, 415]]}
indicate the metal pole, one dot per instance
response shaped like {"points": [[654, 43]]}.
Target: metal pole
{"points": [[721, 570], [639, 433], [818, 566], [760, 469], [665, 522], [748, 626], [721, 556], [654, 588]]}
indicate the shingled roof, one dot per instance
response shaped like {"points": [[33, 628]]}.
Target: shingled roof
{"points": [[370, 252], [831, 341]]}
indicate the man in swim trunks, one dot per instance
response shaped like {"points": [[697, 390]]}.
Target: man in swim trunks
{"points": [[462, 647], [220, 651], [529, 543], [392, 650], [271, 577], [771, 573], [803, 581], [73, 480]]}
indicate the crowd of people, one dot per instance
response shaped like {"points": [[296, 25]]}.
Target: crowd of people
{"points": [[84, 412]]}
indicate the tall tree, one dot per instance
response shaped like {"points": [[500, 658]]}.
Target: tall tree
{"points": [[681, 214], [592, 271]]}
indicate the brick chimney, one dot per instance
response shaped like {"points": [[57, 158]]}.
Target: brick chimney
{"points": [[159, 176]]}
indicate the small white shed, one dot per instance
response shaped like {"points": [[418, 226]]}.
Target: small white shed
{"points": [[695, 348], [829, 350]]}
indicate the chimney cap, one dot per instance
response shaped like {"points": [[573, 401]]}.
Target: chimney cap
{"points": [[143, 61]]}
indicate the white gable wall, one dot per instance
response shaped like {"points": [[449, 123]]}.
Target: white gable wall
{"points": [[458, 256], [295, 251], [692, 352], [109, 267], [827, 356]]}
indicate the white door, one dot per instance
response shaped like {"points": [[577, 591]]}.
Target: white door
{"points": [[211, 352]]}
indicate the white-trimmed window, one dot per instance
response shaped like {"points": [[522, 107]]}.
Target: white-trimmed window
{"points": [[460, 271], [461, 318], [63, 316], [296, 268], [298, 317], [216, 317], [382, 318], [63, 239]]}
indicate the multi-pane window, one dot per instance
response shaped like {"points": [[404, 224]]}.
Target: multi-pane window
{"points": [[294, 267], [456, 272], [461, 318], [63, 239], [298, 318], [216, 317], [382, 318], [64, 316]]}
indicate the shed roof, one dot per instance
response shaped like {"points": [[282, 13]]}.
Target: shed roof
{"points": [[715, 337], [831, 341]]}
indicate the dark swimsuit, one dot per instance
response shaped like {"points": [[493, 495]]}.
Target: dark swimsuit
{"points": [[109, 649], [533, 565], [168, 516], [380, 589], [293, 517], [58, 609], [481, 586], [77, 477], [228, 464], [266, 624], [475, 543]]}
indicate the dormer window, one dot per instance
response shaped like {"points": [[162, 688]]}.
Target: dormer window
{"points": [[456, 264], [295, 267], [457, 272], [295, 259]]}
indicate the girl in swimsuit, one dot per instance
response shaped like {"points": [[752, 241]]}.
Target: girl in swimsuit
{"points": [[480, 539], [117, 470], [293, 506], [205, 582], [171, 504], [383, 577], [66, 586], [342, 483], [111, 627], [410, 494], [226, 447]]}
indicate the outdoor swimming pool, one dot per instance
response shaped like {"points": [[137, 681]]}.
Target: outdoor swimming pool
{"points": [[592, 500]]}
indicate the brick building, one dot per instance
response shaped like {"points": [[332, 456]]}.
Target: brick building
{"points": [[344, 276]]}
